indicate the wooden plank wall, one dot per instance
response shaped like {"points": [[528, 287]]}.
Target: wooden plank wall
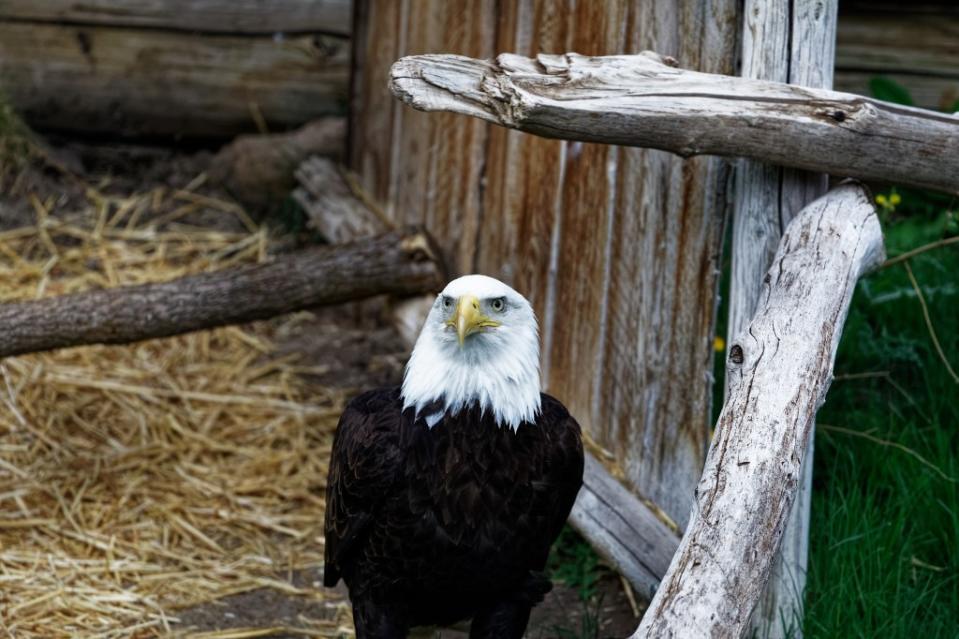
{"points": [[617, 249], [204, 68], [916, 45]]}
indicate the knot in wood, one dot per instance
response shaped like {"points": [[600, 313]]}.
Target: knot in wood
{"points": [[736, 355]]}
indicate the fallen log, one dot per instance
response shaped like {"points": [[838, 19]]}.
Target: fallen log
{"points": [[193, 16], [622, 529], [138, 81], [779, 369], [259, 170], [645, 100], [400, 262]]}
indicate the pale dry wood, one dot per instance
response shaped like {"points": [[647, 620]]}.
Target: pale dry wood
{"points": [[103, 80], [645, 100], [780, 368], [400, 262], [333, 210], [623, 530], [212, 16], [784, 41]]}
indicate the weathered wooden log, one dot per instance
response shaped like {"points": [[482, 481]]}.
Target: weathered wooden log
{"points": [[623, 530], [152, 82], [399, 262], [259, 170], [645, 100], [334, 211], [790, 41], [780, 368], [203, 16]]}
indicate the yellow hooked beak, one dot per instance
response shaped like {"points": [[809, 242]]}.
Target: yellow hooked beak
{"points": [[468, 319]]}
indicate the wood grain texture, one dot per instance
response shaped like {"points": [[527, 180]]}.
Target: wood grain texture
{"points": [[211, 16], [120, 81], [623, 530], [916, 50], [600, 239], [400, 263], [780, 369], [644, 100], [784, 41]]}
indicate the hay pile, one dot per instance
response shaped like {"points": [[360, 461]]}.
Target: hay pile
{"points": [[137, 481]]}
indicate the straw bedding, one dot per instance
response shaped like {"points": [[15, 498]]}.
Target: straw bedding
{"points": [[141, 480]]}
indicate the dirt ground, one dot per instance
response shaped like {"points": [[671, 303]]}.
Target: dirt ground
{"points": [[350, 347]]}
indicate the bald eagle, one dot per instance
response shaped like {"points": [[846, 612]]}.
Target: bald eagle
{"points": [[445, 494]]}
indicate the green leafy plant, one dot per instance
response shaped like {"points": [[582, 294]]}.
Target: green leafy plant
{"points": [[888, 90], [575, 563]]}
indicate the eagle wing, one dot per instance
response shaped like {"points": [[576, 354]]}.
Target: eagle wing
{"points": [[364, 462], [565, 470]]}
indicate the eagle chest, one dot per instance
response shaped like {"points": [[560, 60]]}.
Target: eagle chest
{"points": [[477, 485]]}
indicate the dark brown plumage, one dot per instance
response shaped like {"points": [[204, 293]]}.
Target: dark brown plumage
{"points": [[431, 526]]}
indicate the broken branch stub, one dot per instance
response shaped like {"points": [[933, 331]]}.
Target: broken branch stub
{"points": [[645, 100], [401, 262], [779, 369]]}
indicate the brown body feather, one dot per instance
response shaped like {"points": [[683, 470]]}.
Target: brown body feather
{"points": [[431, 526]]}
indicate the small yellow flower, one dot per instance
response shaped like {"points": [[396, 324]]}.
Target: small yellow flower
{"points": [[719, 344], [895, 199], [882, 200]]}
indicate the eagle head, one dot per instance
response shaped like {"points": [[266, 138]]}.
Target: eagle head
{"points": [[479, 347]]}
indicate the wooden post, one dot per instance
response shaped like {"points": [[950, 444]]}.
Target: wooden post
{"points": [[779, 370], [790, 41]]}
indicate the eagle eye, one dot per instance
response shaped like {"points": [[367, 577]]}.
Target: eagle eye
{"points": [[498, 304], [447, 302]]}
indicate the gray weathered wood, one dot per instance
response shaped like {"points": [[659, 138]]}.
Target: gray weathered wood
{"points": [[644, 100], [333, 210], [783, 41], [139, 81], [211, 16], [401, 262], [780, 368], [623, 530]]}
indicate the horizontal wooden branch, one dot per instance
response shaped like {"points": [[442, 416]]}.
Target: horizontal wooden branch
{"points": [[622, 529], [779, 369], [401, 262], [645, 100]]}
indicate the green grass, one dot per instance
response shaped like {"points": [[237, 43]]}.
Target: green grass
{"points": [[884, 543]]}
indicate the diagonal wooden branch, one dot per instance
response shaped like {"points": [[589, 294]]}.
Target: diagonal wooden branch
{"points": [[779, 368], [401, 262], [645, 100]]}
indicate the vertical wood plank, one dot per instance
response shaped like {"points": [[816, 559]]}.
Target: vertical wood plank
{"points": [[786, 41]]}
